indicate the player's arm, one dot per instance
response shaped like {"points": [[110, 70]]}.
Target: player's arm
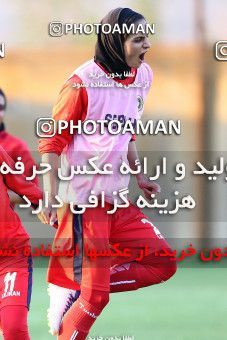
{"points": [[144, 183], [28, 161], [15, 198], [20, 149], [71, 105]]}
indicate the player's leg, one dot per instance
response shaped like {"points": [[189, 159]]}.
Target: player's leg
{"points": [[93, 277], [15, 292], [133, 230]]}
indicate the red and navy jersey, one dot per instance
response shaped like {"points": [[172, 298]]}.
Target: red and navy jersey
{"points": [[11, 229], [16, 147]]}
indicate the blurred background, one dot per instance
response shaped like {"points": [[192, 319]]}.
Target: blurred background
{"points": [[190, 84]]}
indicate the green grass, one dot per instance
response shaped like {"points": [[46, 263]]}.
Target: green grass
{"points": [[190, 306]]}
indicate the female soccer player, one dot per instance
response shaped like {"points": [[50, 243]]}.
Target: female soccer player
{"points": [[116, 53], [15, 266]]}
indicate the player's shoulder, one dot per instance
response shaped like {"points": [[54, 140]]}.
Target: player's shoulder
{"points": [[87, 65]]}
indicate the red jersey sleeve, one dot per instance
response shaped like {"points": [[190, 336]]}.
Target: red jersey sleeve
{"points": [[15, 147], [27, 159], [18, 182], [71, 105]]}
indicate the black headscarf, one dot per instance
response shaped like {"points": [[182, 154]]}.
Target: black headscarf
{"points": [[109, 50]]}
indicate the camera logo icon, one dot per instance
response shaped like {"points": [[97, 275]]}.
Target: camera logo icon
{"points": [[56, 29], [45, 127], [221, 50]]}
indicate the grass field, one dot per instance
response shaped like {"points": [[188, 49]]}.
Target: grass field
{"points": [[191, 306]]}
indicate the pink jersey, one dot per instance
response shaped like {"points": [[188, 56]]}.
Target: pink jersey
{"points": [[104, 103]]}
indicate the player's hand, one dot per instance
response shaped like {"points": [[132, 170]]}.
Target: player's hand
{"points": [[48, 216], [147, 186]]}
